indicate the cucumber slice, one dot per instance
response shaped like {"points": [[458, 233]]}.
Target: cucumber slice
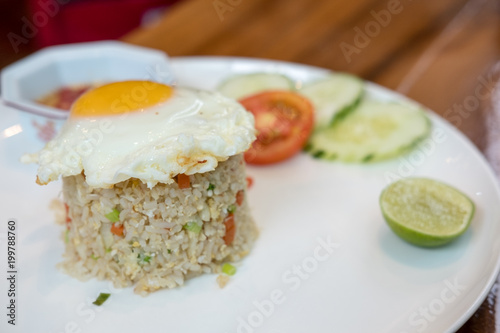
{"points": [[241, 86], [333, 96], [373, 131]]}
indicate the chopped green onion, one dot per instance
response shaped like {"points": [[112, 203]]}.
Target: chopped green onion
{"points": [[231, 209], [143, 258], [101, 299], [169, 251], [193, 227], [113, 216], [211, 187], [228, 269], [94, 257], [108, 250]]}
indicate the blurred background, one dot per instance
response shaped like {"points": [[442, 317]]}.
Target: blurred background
{"points": [[28, 25]]}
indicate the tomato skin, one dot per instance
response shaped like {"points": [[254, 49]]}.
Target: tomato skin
{"points": [[283, 120]]}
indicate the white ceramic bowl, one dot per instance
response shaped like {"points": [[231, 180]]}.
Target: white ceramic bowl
{"points": [[51, 68]]}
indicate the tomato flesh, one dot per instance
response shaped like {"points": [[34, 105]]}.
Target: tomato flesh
{"points": [[249, 182], [240, 196], [230, 229], [68, 219], [283, 120], [117, 229], [183, 181]]}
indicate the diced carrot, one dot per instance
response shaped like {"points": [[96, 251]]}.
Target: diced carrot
{"points": [[183, 181], [117, 229], [240, 196], [249, 182], [230, 229]]}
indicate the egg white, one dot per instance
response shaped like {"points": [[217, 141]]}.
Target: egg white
{"points": [[189, 133]]}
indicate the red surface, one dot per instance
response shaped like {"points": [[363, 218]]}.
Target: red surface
{"points": [[65, 21]]}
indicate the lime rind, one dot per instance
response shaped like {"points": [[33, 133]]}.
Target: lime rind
{"points": [[425, 212]]}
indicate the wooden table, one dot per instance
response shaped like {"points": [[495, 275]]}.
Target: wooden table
{"points": [[441, 53]]}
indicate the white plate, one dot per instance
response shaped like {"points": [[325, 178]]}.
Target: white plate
{"points": [[366, 280]]}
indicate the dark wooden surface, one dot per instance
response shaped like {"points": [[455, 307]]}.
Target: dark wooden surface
{"points": [[440, 53]]}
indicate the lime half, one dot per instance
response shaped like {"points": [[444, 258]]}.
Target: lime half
{"points": [[426, 212]]}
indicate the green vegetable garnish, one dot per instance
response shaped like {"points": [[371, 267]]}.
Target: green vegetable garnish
{"points": [[169, 251], [108, 250], [228, 269], [101, 299], [113, 216], [193, 227], [94, 257], [143, 257], [231, 209], [211, 187]]}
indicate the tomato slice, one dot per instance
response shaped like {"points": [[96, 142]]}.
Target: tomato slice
{"points": [[283, 120]]}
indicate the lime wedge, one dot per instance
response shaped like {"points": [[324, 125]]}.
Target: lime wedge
{"points": [[426, 212]]}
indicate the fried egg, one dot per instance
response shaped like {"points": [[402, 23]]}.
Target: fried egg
{"points": [[144, 130]]}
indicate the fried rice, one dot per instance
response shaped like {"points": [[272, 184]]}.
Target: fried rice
{"points": [[157, 237]]}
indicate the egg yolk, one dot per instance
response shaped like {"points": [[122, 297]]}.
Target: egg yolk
{"points": [[120, 97]]}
